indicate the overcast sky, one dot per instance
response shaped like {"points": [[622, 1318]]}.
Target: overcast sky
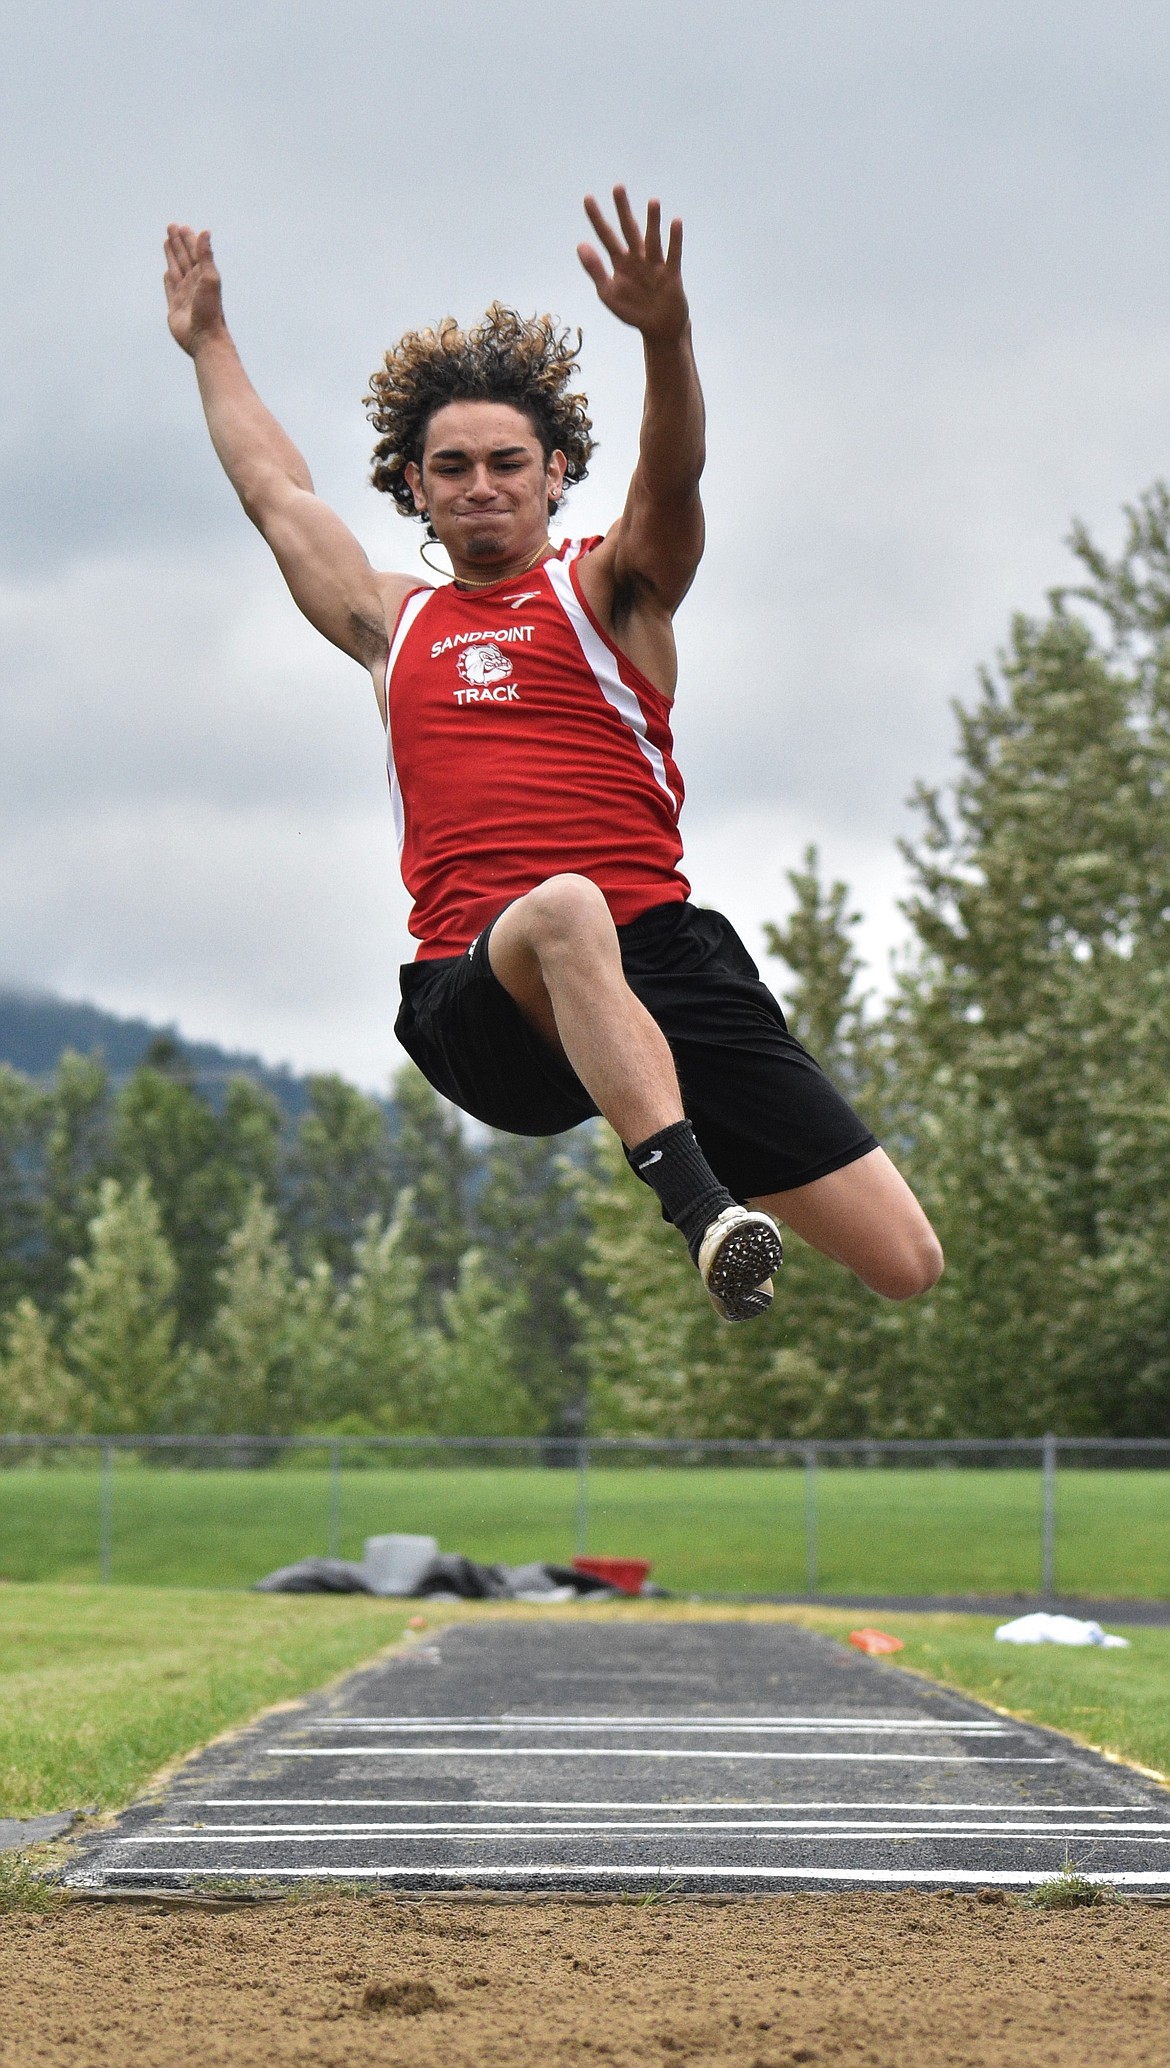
{"points": [[927, 255]]}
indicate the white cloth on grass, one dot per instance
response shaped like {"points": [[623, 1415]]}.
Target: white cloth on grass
{"points": [[1042, 1628]]}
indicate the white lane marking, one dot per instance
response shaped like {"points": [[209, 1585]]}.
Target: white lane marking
{"points": [[709, 1753], [370, 1834], [983, 1877], [670, 1717], [650, 1717], [603, 1723], [682, 1802]]}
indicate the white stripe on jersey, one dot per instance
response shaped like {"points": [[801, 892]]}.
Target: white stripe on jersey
{"points": [[605, 669], [410, 611]]}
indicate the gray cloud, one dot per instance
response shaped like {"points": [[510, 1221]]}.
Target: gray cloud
{"points": [[922, 247]]}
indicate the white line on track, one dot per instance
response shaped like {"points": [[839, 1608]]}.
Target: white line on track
{"points": [[357, 1834], [684, 1802], [671, 1720], [601, 1723], [851, 1827], [708, 1753], [981, 1877]]}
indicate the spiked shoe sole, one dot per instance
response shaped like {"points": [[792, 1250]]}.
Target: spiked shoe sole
{"points": [[737, 1257]]}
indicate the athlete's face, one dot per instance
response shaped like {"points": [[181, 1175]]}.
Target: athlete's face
{"points": [[484, 481]]}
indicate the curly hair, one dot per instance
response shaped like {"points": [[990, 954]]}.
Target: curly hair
{"points": [[528, 362]]}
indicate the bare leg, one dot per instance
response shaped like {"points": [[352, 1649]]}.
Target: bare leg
{"points": [[867, 1218], [556, 953]]}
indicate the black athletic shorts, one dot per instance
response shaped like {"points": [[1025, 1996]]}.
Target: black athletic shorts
{"points": [[765, 1114]]}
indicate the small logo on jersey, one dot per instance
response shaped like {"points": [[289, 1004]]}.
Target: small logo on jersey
{"points": [[481, 666], [514, 602]]}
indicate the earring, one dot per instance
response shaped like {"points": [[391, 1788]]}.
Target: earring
{"points": [[446, 572]]}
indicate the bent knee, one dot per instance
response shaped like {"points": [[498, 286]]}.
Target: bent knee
{"points": [[913, 1270], [563, 908]]}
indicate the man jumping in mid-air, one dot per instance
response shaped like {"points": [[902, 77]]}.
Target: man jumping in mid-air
{"points": [[562, 971]]}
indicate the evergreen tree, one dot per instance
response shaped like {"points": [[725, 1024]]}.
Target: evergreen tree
{"points": [[263, 1355], [202, 1165], [998, 1348], [824, 1008], [250, 1133], [77, 1155], [37, 1394], [1042, 906], [342, 1171], [663, 1363], [119, 1342], [533, 1223], [432, 1157], [21, 1119], [384, 1349], [471, 1388]]}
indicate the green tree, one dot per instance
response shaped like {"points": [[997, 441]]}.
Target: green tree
{"points": [[470, 1387], [202, 1165], [824, 1007], [533, 1225], [37, 1394], [21, 1119], [250, 1130], [120, 1338], [77, 1156], [661, 1361], [384, 1349], [316, 1345], [998, 1347], [1041, 905], [270, 1351], [342, 1171], [432, 1157]]}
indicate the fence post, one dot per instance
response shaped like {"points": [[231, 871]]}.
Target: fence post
{"points": [[810, 1514], [106, 1526], [581, 1532], [334, 1500], [1048, 1549]]}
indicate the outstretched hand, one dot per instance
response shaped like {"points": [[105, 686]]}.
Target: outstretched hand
{"points": [[194, 289], [645, 286]]}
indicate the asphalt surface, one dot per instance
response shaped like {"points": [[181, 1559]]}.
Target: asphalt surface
{"points": [[16, 1834], [601, 1756]]}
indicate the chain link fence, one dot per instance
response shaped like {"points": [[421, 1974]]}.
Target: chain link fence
{"points": [[1034, 1516]]}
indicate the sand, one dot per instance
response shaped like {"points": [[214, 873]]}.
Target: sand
{"points": [[884, 1980]]}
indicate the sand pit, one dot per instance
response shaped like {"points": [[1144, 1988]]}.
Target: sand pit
{"points": [[882, 1980]]}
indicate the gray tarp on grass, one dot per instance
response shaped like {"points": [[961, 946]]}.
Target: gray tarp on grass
{"points": [[448, 1574]]}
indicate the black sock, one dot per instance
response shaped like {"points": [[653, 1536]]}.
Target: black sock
{"points": [[673, 1165]]}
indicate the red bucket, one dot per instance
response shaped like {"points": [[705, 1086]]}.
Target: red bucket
{"points": [[626, 1574]]}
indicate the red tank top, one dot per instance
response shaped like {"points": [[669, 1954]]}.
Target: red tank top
{"points": [[520, 744]]}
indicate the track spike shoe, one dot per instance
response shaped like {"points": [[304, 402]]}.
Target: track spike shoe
{"points": [[737, 1256]]}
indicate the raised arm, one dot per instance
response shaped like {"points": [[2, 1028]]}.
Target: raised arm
{"points": [[327, 572], [657, 543]]}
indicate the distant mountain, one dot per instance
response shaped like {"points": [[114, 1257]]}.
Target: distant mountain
{"points": [[36, 1029]]}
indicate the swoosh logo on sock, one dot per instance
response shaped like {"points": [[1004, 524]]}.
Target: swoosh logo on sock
{"points": [[655, 1156]]}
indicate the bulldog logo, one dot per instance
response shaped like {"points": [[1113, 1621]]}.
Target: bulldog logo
{"points": [[480, 666]]}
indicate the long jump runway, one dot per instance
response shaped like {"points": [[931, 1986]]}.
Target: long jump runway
{"points": [[579, 1755]]}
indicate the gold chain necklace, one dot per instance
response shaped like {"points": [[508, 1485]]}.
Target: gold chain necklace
{"points": [[462, 582]]}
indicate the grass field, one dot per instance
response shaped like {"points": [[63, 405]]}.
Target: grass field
{"points": [[1117, 1701], [707, 1531], [101, 1686]]}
